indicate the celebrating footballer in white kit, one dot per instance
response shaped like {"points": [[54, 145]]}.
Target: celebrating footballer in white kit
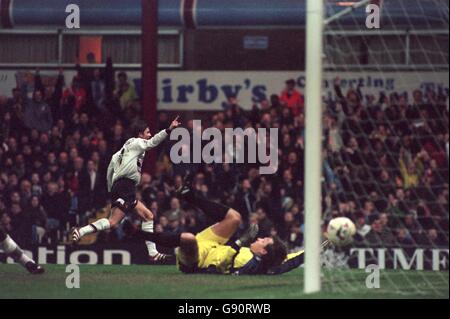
{"points": [[124, 174]]}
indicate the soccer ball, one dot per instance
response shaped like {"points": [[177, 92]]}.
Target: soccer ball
{"points": [[340, 231]]}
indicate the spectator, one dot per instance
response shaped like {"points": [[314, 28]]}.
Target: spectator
{"points": [[175, 212], [192, 223], [335, 142], [292, 98], [269, 199], [411, 170], [369, 209], [379, 235], [98, 91], [385, 222], [92, 193], [295, 238], [264, 223], [435, 239], [285, 229], [403, 238], [76, 96], [245, 199], [38, 114], [362, 228], [21, 227], [5, 222], [38, 219], [125, 91], [56, 207]]}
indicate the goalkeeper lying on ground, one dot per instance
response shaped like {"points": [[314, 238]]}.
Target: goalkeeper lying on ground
{"points": [[208, 251]]}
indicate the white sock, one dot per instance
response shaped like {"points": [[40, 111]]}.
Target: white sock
{"points": [[151, 246], [24, 259], [11, 248], [8, 245], [98, 226]]}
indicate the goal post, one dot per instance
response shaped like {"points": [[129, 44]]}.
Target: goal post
{"points": [[313, 142]]}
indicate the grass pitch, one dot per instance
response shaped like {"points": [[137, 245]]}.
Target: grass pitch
{"points": [[164, 282]]}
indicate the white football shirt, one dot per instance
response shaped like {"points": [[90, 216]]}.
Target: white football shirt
{"points": [[127, 162]]}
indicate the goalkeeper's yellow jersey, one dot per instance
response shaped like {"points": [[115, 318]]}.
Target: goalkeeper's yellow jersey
{"points": [[224, 258]]}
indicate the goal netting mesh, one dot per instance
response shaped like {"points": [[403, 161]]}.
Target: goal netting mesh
{"points": [[386, 146]]}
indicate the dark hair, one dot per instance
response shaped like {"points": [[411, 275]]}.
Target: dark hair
{"points": [[290, 82], [276, 254], [138, 127], [90, 57]]}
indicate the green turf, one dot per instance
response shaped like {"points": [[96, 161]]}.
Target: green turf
{"points": [[167, 282]]}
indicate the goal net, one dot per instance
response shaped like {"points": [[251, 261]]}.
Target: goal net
{"points": [[385, 146]]}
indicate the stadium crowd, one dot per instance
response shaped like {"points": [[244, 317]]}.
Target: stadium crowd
{"points": [[385, 162]]}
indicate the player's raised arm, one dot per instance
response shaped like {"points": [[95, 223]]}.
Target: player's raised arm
{"points": [[175, 123], [145, 140]]}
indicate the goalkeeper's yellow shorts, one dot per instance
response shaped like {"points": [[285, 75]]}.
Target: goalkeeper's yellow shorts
{"points": [[210, 251]]}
